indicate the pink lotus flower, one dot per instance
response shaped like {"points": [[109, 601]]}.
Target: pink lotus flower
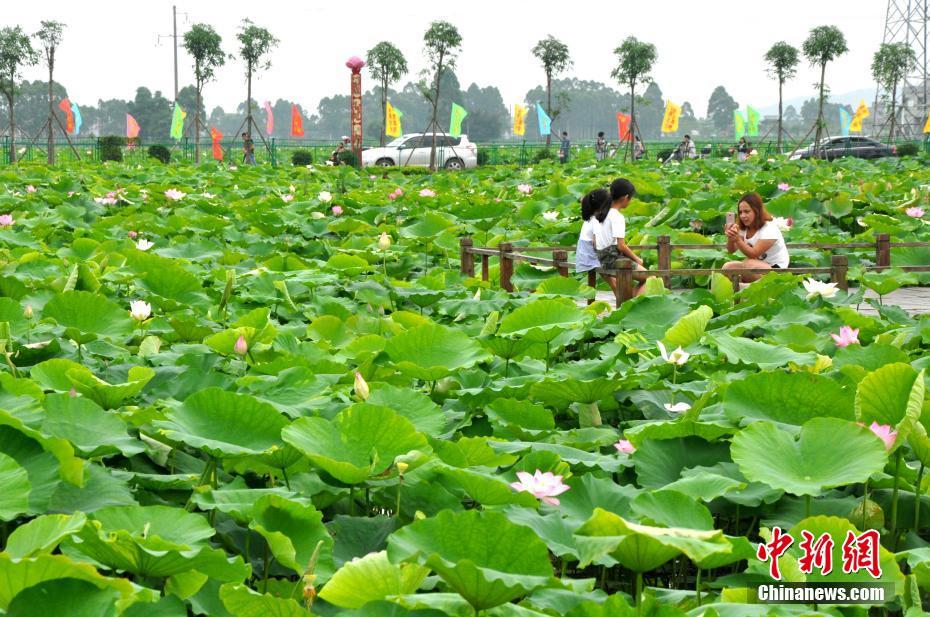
{"points": [[105, 201], [174, 194], [397, 193], [885, 433], [6, 220], [337, 210], [544, 486], [625, 446], [287, 198], [915, 212], [427, 193], [132, 234], [783, 186], [847, 336], [241, 347], [31, 189], [526, 189]]}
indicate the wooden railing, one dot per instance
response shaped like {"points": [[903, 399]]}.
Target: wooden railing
{"points": [[508, 254]]}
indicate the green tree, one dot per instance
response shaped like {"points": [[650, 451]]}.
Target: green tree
{"points": [[634, 61], [890, 65], [204, 45], [782, 59], [255, 43], [16, 52], [720, 108], [387, 64], [441, 43], [152, 112], [50, 37], [553, 54], [824, 44]]}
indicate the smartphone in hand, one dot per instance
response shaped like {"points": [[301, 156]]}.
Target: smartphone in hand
{"points": [[731, 218]]}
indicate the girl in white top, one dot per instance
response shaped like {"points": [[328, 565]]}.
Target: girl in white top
{"points": [[757, 237]]}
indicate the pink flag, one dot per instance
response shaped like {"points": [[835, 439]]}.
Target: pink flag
{"points": [[132, 127], [269, 122]]}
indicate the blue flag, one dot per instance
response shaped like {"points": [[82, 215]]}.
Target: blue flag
{"points": [[545, 122], [77, 118], [845, 121]]}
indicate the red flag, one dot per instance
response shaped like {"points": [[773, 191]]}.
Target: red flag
{"points": [[216, 136], [65, 106], [297, 122], [623, 126]]}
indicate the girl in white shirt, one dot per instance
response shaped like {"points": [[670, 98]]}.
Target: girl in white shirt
{"points": [[757, 237], [609, 230]]}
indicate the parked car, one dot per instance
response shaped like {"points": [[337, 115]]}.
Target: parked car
{"points": [[852, 145], [413, 149]]}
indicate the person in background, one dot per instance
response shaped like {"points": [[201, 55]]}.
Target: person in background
{"points": [[564, 147], [337, 153], [638, 148], [609, 230], [742, 149], [756, 236], [600, 147], [248, 149]]}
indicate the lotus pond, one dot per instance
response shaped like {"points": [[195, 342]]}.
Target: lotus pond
{"points": [[263, 391]]}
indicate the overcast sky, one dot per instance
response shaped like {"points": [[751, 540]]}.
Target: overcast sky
{"points": [[111, 47]]}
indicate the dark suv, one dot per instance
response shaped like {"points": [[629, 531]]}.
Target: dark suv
{"points": [[836, 147]]}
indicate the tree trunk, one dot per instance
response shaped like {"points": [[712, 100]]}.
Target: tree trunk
{"points": [[432, 151], [383, 109], [632, 121], [819, 134], [549, 106], [51, 111], [894, 96], [780, 82], [9, 102], [197, 129], [248, 101]]}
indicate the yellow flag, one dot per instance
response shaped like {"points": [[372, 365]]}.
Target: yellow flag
{"points": [[927, 124], [519, 119], [670, 121], [392, 121], [862, 112]]}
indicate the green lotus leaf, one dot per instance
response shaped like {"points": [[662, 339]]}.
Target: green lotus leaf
{"points": [[427, 227], [65, 596], [481, 555], [53, 374], [110, 396], [471, 452], [349, 265], [763, 355], [519, 413], [892, 395], [787, 398], [14, 499], [70, 467], [661, 462], [563, 286], [42, 534], [292, 531], [358, 443], [675, 429], [167, 279], [371, 578], [563, 391], [225, 424], [241, 601], [705, 486], [828, 452], [20, 574], [870, 357], [643, 547], [690, 328], [89, 313], [422, 412], [173, 525], [542, 320], [433, 352], [669, 508], [236, 500], [488, 489], [91, 430]]}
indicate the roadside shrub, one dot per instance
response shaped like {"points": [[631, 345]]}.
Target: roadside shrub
{"points": [[160, 152], [301, 158], [909, 149], [111, 147]]}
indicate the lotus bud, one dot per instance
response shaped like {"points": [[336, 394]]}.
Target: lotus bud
{"points": [[241, 347], [72, 392], [402, 468], [384, 242], [361, 387], [27, 313], [419, 516]]}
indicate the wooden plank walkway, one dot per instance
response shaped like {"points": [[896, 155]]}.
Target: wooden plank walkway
{"points": [[913, 300]]}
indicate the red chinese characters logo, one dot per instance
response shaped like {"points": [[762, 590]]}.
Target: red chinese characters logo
{"points": [[860, 552]]}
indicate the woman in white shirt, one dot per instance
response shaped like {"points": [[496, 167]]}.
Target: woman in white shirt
{"points": [[756, 236]]}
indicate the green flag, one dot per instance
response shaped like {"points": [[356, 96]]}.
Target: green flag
{"points": [[739, 125], [177, 122], [752, 122], [455, 124]]}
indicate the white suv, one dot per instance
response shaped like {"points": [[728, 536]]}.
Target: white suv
{"points": [[413, 149]]}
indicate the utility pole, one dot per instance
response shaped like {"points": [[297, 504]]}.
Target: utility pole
{"points": [[174, 18], [908, 22]]}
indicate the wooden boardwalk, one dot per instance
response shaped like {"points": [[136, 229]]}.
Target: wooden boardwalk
{"points": [[913, 300]]}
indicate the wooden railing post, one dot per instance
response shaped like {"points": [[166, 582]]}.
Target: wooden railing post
{"points": [[624, 281], [665, 258], [466, 257], [839, 267], [560, 258], [735, 279], [882, 250], [506, 261], [485, 267]]}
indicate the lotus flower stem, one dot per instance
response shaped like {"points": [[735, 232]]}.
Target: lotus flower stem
{"points": [[639, 594], [807, 506], [894, 495], [400, 484], [697, 585], [265, 567], [917, 494], [287, 482], [865, 500]]}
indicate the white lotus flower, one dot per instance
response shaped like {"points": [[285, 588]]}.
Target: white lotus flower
{"points": [[140, 310], [679, 356], [144, 245], [551, 215], [782, 223], [317, 215], [174, 194], [816, 288], [677, 407], [384, 242], [325, 196]]}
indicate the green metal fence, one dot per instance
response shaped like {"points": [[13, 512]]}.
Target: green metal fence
{"points": [[279, 151]]}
